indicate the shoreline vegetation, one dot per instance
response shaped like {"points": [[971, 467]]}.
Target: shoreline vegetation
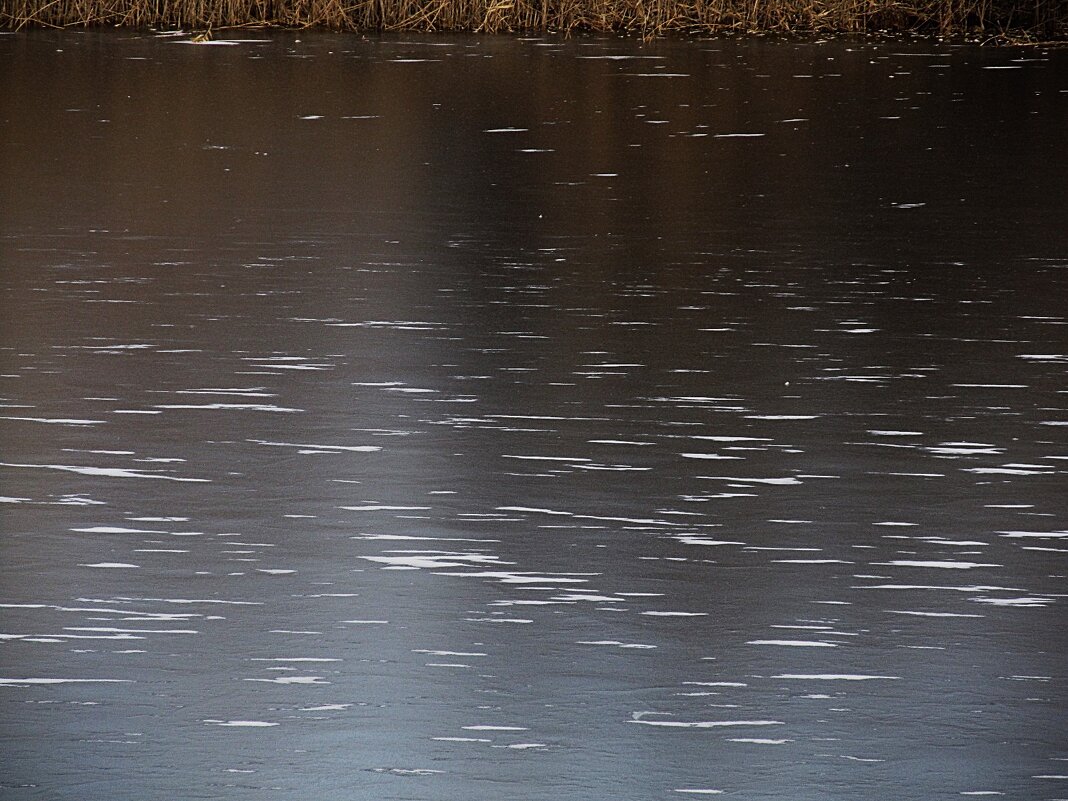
{"points": [[1016, 21]]}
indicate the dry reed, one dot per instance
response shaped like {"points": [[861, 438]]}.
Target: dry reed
{"points": [[1023, 19]]}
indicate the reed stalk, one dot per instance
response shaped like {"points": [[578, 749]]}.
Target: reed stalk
{"points": [[1024, 19]]}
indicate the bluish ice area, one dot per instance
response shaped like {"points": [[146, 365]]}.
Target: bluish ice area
{"points": [[530, 418]]}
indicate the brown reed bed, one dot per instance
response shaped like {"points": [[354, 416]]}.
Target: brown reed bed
{"points": [[1021, 20]]}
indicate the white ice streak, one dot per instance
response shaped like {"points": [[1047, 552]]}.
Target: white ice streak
{"points": [[127, 615], [706, 724], [116, 530], [277, 361], [397, 325], [384, 508], [834, 677], [637, 520], [713, 438], [435, 560], [958, 543], [56, 420], [317, 447], [759, 740], [1010, 470], [591, 597], [29, 682], [462, 739], [784, 481], [696, 399], [811, 561], [241, 392], [944, 564], [111, 472], [109, 565], [416, 538], [517, 577], [238, 407], [366, 622], [691, 540], [1025, 602], [122, 599], [965, 449], [795, 643], [802, 626], [1044, 357], [782, 416], [115, 630], [134, 346], [522, 620], [215, 42], [293, 659], [545, 458], [1042, 535], [964, 588], [618, 57], [717, 683], [294, 680]]}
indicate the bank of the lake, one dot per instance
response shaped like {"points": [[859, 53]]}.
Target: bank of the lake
{"points": [[991, 20]]}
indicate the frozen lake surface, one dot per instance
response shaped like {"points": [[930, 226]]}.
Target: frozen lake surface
{"points": [[457, 417]]}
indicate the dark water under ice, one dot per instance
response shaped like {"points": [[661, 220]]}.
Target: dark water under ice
{"points": [[455, 417]]}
